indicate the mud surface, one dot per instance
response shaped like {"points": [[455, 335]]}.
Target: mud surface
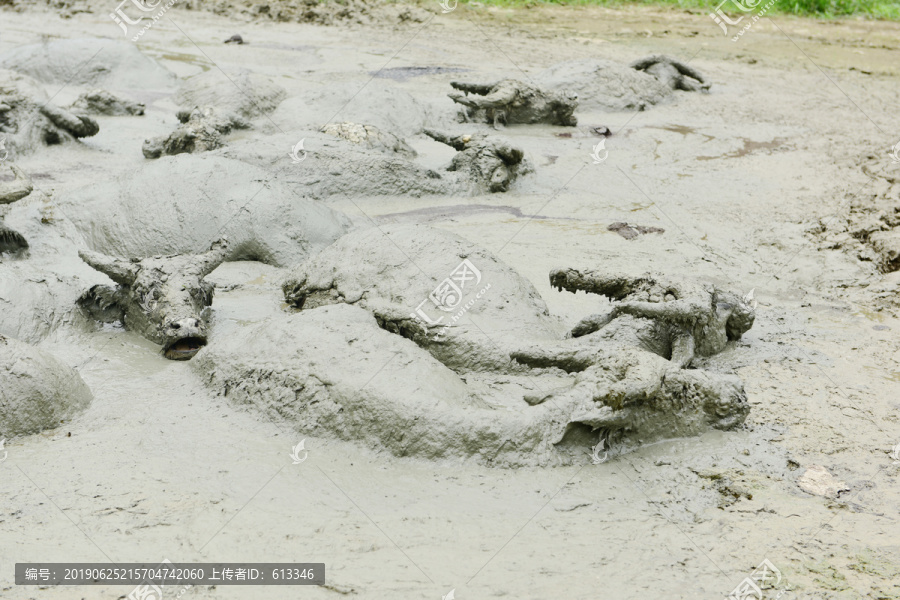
{"points": [[779, 179]]}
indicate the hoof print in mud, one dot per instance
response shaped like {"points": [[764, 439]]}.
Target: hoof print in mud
{"points": [[164, 298], [512, 102]]}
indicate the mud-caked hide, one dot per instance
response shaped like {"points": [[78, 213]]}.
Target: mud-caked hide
{"points": [[164, 298]]}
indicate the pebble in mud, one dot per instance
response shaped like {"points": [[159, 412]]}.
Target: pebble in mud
{"points": [[818, 481]]}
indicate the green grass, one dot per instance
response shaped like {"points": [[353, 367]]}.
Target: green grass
{"points": [[876, 9]]}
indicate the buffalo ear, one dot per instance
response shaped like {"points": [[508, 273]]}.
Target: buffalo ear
{"points": [[11, 241], [102, 303], [123, 272]]}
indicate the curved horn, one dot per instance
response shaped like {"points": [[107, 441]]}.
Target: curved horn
{"points": [[643, 63], [77, 125], [17, 189], [439, 136], [119, 270], [685, 69], [208, 261], [501, 96], [482, 89]]}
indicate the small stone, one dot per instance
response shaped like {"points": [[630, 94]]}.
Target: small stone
{"points": [[818, 481]]}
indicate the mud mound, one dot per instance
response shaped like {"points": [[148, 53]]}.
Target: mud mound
{"points": [[94, 62], [334, 369], [32, 121], [327, 166], [37, 391], [369, 136], [44, 301], [451, 297], [378, 103], [246, 94], [180, 204], [604, 84]]}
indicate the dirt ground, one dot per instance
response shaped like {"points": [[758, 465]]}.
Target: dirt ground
{"points": [[752, 184]]}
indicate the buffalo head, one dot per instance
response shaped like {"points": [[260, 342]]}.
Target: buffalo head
{"points": [[164, 298]]}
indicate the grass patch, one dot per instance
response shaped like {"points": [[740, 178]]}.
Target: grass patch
{"points": [[875, 9]]}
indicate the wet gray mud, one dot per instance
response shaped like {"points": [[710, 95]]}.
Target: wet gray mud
{"points": [[633, 441]]}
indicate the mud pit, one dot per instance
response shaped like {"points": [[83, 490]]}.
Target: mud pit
{"points": [[779, 180]]}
